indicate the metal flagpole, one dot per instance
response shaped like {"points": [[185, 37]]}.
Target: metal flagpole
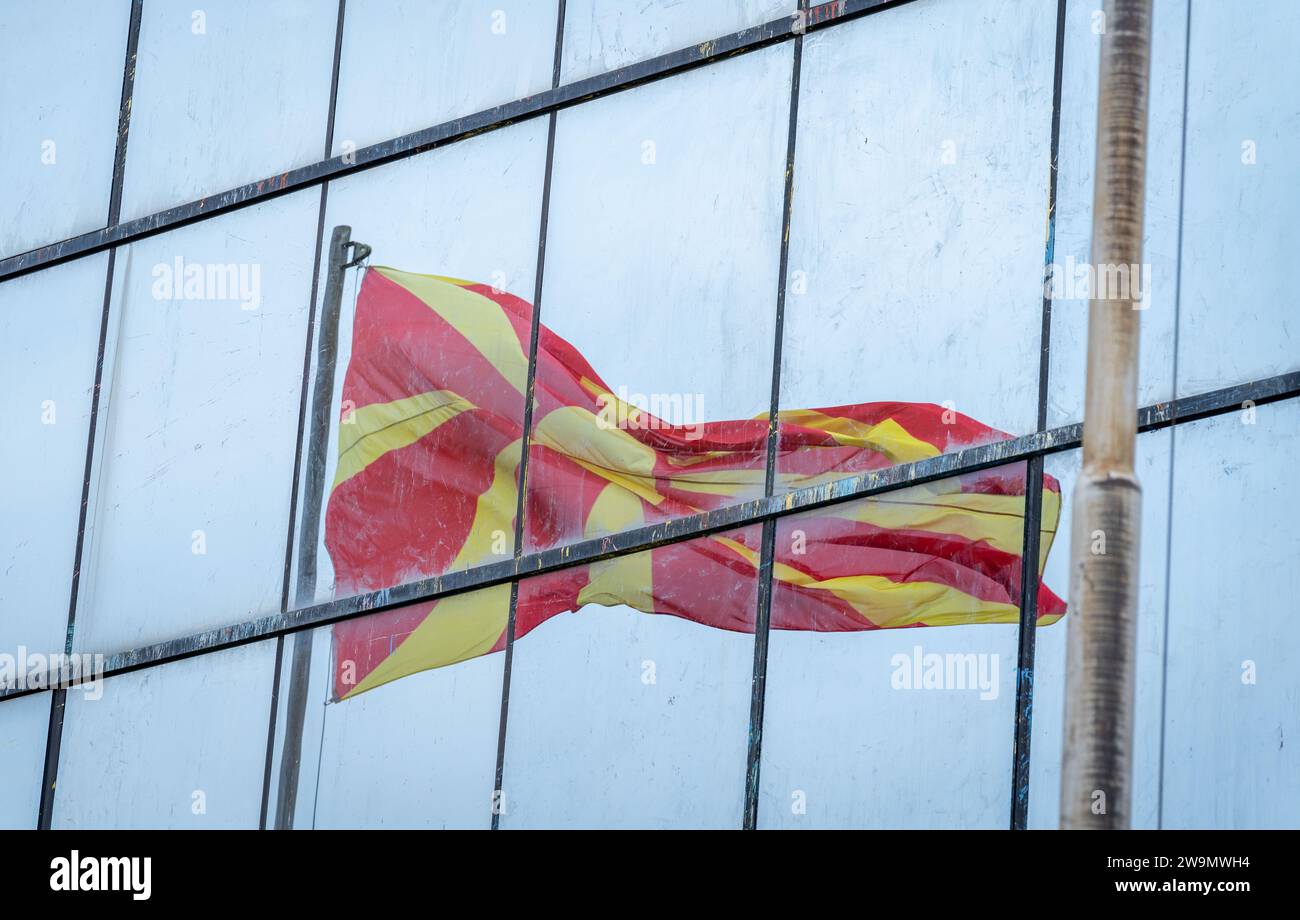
{"points": [[1097, 765], [327, 348]]}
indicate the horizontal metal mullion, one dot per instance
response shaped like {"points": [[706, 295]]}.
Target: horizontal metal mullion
{"points": [[1217, 402], [302, 177], [731, 517]]}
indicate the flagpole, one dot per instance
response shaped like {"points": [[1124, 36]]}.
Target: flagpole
{"points": [[327, 347], [1097, 764]]}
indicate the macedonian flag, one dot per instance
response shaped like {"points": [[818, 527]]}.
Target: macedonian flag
{"points": [[430, 440]]}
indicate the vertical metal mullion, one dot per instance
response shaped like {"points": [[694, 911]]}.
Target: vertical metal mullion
{"points": [[301, 659], [763, 614], [58, 699], [526, 428], [1031, 546], [1173, 424]]}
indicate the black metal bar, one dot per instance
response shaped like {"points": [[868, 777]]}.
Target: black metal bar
{"points": [[1032, 541], [58, 698], [521, 504], [767, 545], [311, 315], [270, 734], [1173, 437], [727, 46], [678, 530], [1027, 635]]}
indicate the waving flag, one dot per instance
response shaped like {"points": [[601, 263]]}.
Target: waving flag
{"points": [[429, 446]]}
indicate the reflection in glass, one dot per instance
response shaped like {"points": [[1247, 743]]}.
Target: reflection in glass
{"points": [[24, 724], [49, 335], [893, 727], [59, 105], [181, 745]]}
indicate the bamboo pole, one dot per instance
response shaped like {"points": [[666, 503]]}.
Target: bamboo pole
{"points": [[1097, 764]]}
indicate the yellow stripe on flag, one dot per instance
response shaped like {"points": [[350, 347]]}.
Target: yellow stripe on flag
{"points": [[610, 453], [458, 628], [494, 512], [623, 579], [479, 319], [887, 603], [374, 430], [886, 437]]}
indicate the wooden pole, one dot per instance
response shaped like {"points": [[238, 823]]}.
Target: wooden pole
{"points": [[1097, 765]]}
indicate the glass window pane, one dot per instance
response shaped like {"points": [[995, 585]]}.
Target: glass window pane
{"points": [[1233, 665], [659, 297], [916, 248], [1243, 191], [436, 61], [59, 104], [603, 35], [190, 509], [392, 739], [1071, 285], [1153, 455], [224, 95], [622, 719], [870, 725], [418, 489], [182, 745], [49, 338], [24, 726]]}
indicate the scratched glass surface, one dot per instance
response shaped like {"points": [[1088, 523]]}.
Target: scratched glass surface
{"points": [[661, 274], [24, 724], [222, 99], [1242, 196], [896, 727], [49, 334], [194, 460], [1073, 280], [603, 35], [416, 752], [620, 717], [1232, 666], [59, 104], [1153, 454], [917, 235], [437, 61], [182, 745], [469, 211], [1235, 183]]}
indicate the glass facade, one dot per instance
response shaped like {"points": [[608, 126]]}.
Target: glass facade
{"points": [[870, 221]]}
